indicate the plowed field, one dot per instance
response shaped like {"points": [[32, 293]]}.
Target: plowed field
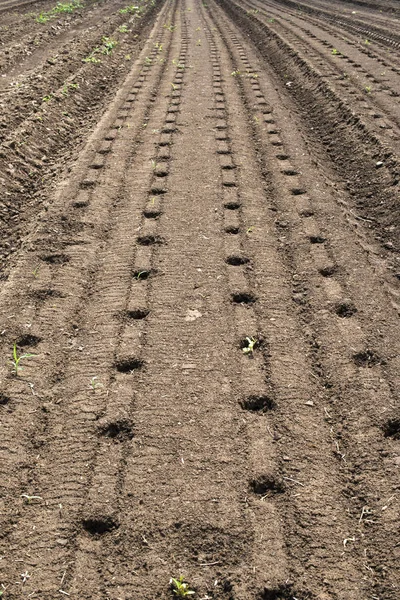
{"points": [[199, 299]]}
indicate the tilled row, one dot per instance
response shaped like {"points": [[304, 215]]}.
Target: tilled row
{"points": [[335, 129], [297, 225], [339, 62], [36, 144], [66, 378]]}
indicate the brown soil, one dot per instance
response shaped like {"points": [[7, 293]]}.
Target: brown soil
{"points": [[199, 241]]}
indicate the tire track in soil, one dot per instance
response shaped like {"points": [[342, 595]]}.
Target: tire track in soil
{"points": [[62, 468], [337, 374]]}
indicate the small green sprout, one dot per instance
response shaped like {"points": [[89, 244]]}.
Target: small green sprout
{"points": [[123, 29], [91, 59], [108, 45], [29, 499], [368, 89], [148, 60], [236, 73], [367, 42], [250, 229], [17, 359], [35, 271], [198, 43], [153, 164], [127, 57], [335, 52], [180, 588], [94, 385], [47, 98], [249, 349]]}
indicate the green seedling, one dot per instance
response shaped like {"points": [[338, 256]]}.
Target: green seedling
{"points": [[17, 359], [61, 7], [47, 98], [153, 165], [123, 29], [129, 10], [173, 86], [128, 57], [271, 20], [367, 42], [198, 43], [29, 499], [108, 45], [147, 60], [158, 46], [198, 28], [169, 27], [236, 73], [368, 89], [335, 52], [94, 385], [91, 59], [251, 342], [35, 271], [250, 229], [180, 588]]}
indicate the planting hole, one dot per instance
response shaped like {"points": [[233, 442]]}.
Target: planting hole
{"points": [[282, 156], [99, 525], [80, 204], [297, 191], [47, 293], [290, 172], [142, 274], [390, 429], [328, 271], [28, 340], [117, 430], [243, 298], [4, 399], [282, 592], [266, 485], [317, 239], [56, 259], [128, 365], [137, 313], [257, 403], [149, 240], [157, 190], [231, 229], [345, 309], [151, 214], [236, 261], [367, 358], [232, 205]]}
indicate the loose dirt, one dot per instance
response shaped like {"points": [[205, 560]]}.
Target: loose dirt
{"points": [[200, 272]]}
